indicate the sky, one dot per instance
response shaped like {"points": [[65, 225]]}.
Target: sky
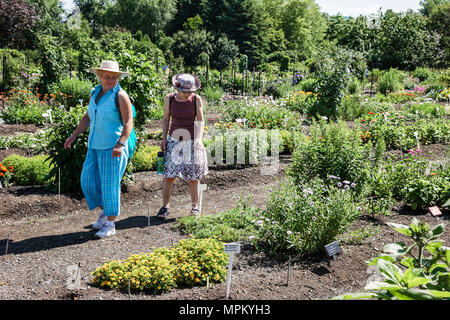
{"points": [[346, 7]]}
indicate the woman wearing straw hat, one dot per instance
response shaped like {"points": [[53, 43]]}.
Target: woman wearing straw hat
{"points": [[185, 155], [110, 118]]}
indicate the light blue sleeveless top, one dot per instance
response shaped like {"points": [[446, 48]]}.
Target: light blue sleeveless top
{"points": [[105, 125]]}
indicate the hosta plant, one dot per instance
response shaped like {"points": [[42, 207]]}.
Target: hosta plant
{"points": [[419, 271]]}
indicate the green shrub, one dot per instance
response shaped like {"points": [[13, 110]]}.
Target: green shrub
{"points": [[70, 161], [213, 93], [29, 171], [284, 63], [303, 218], [426, 109], [332, 149], [145, 158], [308, 85], [260, 114], [392, 177], [388, 82], [15, 60], [75, 90], [423, 74], [354, 86]]}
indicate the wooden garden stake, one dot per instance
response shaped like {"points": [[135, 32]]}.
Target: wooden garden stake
{"points": [[207, 283]]}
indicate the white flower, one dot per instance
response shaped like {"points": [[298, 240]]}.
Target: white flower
{"points": [[346, 182], [289, 232]]}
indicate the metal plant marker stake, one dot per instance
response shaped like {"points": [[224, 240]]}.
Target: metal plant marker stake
{"points": [[59, 184], [231, 249], [416, 134], [201, 188], [289, 272]]}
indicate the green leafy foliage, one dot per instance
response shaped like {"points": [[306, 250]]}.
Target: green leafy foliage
{"points": [[70, 161], [303, 217], [419, 271], [29, 171]]}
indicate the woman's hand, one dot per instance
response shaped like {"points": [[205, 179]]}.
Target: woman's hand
{"points": [[69, 141], [117, 150]]}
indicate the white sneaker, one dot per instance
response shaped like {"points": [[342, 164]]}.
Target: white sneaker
{"points": [[106, 231], [100, 221]]}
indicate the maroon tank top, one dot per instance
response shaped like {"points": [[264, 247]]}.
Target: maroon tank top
{"points": [[183, 116]]}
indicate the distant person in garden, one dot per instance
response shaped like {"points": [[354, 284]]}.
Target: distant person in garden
{"points": [[185, 155], [110, 118]]}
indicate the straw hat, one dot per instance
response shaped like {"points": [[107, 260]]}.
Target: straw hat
{"points": [[111, 66], [186, 82]]}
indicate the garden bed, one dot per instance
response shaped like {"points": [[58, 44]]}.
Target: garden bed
{"points": [[48, 234]]}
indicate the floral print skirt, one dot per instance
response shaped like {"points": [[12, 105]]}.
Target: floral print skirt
{"points": [[182, 161]]}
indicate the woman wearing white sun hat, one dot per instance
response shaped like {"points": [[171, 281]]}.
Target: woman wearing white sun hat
{"points": [[110, 118], [185, 155]]}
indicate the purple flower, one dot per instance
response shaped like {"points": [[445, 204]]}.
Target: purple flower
{"points": [[346, 187], [314, 218], [339, 184], [259, 223], [353, 185]]}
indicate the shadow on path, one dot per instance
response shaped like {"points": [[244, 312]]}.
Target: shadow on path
{"points": [[48, 242]]}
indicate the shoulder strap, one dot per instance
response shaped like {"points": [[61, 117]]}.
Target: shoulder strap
{"points": [[170, 103], [195, 106]]}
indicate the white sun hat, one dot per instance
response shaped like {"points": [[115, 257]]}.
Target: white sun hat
{"points": [[111, 66]]}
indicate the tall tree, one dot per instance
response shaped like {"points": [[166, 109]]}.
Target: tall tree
{"points": [[51, 16], [94, 12], [244, 21], [149, 16], [303, 26], [428, 5]]}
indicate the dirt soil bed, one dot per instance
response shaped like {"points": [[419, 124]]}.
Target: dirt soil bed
{"points": [[49, 233]]}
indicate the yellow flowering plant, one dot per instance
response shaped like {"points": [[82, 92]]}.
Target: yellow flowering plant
{"points": [[187, 263]]}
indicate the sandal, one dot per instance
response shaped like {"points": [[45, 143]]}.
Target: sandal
{"points": [[195, 211], [163, 213]]}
